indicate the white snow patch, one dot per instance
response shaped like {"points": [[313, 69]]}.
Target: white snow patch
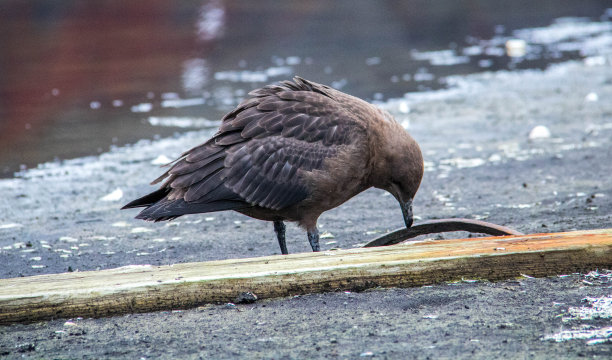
{"points": [[161, 160], [440, 57], [10, 226], [115, 195], [252, 76], [68, 239], [602, 335], [182, 122], [142, 108], [138, 230], [180, 103], [597, 308]]}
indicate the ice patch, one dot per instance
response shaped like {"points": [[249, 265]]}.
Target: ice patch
{"points": [[597, 308], [182, 122], [595, 61], [603, 335], [252, 76], [563, 29], [68, 239], [461, 163], [520, 206], [195, 75], [441, 57], [372, 61], [139, 230], [180, 103], [142, 108], [161, 160], [10, 226], [116, 195], [211, 20]]}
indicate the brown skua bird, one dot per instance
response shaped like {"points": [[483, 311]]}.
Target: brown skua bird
{"points": [[289, 152]]}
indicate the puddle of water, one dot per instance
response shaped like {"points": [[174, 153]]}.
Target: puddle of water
{"points": [[79, 77]]}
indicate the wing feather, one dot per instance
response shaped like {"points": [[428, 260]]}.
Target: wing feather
{"points": [[261, 151]]}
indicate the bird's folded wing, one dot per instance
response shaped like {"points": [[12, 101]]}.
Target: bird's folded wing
{"points": [[264, 146]]}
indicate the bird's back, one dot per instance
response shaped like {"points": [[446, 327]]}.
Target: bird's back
{"points": [[289, 150]]}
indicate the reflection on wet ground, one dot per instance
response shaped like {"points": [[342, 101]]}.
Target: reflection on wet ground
{"points": [[80, 76]]}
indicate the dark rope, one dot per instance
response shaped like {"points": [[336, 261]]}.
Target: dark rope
{"points": [[440, 226]]}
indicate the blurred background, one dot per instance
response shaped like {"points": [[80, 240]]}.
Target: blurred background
{"points": [[79, 77]]}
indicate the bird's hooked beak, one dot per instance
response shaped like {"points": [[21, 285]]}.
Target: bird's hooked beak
{"points": [[407, 212]]}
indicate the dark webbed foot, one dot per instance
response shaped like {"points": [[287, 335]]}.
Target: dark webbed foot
{"points": [[279, 229], [313, 238]]}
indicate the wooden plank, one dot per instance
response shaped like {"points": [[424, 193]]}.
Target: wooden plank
{"points": [[149, 288]]}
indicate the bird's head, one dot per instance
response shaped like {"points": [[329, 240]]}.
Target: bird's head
{"points": [[399, 168]]}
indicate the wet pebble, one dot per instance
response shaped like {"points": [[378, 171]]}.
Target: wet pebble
{"points": [[539, 132], [246, 297], [27, 347], [516, 47], [327, 235], [591, 97]]}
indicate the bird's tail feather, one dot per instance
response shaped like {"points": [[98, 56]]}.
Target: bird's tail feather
{"points": [[149, 199], [171, 209]]}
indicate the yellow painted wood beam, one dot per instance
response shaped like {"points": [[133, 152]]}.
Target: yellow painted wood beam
{"points": [[142, 288]]}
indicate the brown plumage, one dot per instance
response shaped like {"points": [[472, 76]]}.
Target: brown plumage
{"points": [[290, 152]]}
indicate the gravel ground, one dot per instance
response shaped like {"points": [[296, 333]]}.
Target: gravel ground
{"points": [[480, 163]]}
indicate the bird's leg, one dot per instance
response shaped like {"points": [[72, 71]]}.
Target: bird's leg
{"points": [[313, 238], [279, 229]]}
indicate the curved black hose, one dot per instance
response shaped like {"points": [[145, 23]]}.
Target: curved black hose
{"points": [[439, 226]]}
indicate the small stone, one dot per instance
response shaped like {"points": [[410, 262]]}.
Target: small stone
{"points": [[539, 132], [516, 47], [326, 235], [27, 347], [591, 97], [246, 297]]}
